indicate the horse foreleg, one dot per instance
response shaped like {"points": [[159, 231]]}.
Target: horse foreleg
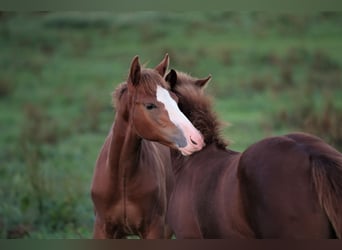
{"points": [[99, 231], [168, 232]]}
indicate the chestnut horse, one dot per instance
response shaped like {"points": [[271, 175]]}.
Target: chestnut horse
{"points": [[281, 187], [132, 178]]}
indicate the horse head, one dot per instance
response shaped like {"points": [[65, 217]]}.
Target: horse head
{"points": [[153, 110]]}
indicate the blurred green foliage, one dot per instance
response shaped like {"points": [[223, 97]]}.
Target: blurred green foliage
{"points": [[272, 73]]}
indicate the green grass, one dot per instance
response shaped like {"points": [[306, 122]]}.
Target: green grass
{"points": [[272, 74]]}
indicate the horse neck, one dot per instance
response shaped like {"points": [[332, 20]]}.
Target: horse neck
{"points": [[178, 161], [124, 149], [212, 150], [204, 119]]}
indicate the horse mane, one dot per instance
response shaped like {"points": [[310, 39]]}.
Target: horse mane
{"points": [[198, 108], [118, 93]]}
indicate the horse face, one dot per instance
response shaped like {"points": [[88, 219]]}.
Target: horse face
{"points": [[155, 114]]}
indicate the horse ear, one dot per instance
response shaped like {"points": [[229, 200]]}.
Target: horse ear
{"points": [[163, 65], [171, 78], [134, 72], [203, 82]]}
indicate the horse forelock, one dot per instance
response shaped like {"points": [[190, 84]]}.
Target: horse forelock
{"points": [[185, 78], [149, 80]]}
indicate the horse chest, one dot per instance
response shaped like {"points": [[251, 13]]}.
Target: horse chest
{"points": [[132, 203], [126, 212]]}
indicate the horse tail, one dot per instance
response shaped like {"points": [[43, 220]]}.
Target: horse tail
{"points": [[326, 170], [327, 178]]}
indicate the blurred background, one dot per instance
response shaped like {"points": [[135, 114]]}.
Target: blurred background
{"points": [[273, 73]]}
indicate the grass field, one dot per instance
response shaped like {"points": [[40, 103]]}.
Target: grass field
{"points": [[272, 74]]}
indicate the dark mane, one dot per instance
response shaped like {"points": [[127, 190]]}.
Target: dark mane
{"points": [[198, 108]]}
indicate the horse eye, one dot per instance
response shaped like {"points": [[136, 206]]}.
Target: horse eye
{"points": [[150, 106]]}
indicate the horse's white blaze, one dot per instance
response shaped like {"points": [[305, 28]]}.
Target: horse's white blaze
{"points": [[181, 121], [176, 116]]}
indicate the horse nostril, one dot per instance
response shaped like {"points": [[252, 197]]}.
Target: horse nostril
{"points": [[193, 141]]}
